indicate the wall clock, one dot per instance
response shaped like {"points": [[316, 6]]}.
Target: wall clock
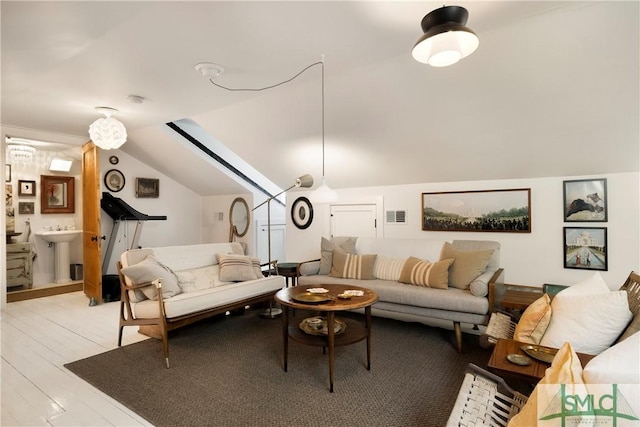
{"points": [[302, 213], [114, 180]]}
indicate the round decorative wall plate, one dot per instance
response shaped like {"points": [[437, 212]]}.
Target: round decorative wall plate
{"points": [[114, 160], [302, 213], [114, 180]]}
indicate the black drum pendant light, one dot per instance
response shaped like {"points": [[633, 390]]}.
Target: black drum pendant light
{"points": [[446, 39]]}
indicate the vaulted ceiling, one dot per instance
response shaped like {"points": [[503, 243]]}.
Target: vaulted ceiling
{"points": [[553, 89]]}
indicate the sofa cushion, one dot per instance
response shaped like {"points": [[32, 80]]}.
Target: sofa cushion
{"points": [[617, 364], [590, 322], [592, 285], [148, 270], [467, 265], [350, 266], [534, 321], [424, 273], [388, 268], [236, 268], [345, 244]]}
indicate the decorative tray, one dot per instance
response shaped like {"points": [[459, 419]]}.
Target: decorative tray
{"points": [[311, 298], [543, 354], [339, 326]]}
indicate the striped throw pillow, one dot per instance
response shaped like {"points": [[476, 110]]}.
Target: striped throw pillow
{"points": [[350, 266], [236, 268], [424, 273], [387, 268]]}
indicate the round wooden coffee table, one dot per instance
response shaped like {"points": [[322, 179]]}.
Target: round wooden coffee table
{"points": [[326, 305]]}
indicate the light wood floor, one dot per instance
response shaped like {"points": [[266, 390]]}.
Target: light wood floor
{"points": [[38, 337]]}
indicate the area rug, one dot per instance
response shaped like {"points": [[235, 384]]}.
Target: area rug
{"points": [[228, 371]]}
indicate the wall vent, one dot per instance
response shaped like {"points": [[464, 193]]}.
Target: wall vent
{"points": [[396, 217]]}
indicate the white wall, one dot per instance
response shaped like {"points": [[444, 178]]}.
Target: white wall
{"points": [[182, 207], [529, 258]]}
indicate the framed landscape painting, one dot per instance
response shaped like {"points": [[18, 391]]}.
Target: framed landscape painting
{"points": [[585, 200], [585, 248], [506, 211]]}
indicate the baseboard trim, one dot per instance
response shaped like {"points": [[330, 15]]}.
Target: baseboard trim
{"points": [[43, 292]]}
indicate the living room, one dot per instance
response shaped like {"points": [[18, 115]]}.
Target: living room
{"points": [[582, 126]]}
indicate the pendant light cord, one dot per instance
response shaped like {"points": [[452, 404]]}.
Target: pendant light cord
{"points": [[321, 63], [258, 89]]}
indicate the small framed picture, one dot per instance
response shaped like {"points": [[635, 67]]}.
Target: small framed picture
{"points": [[26, 188], [114, 180], [585, 200], [26, 208], [585, 248], [7, 173], [302, 213], [147, 187]]}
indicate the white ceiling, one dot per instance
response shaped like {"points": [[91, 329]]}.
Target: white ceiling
{"points": [[553, 89]]}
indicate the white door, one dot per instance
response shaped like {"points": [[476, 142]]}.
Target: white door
{"points": [[354, 220], [278, 236]]}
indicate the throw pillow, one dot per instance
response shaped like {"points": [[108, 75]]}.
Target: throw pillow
{"points": [[236, 268], [387, 268], [467, 265], [591, 323], [592, 285], [534, 321], [565, 370], [345, 244], [349, 266], [616, 365], [197, 279], [424, 273], [149, 270]]}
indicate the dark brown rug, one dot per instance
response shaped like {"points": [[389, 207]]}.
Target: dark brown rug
{"points": [[227, 371]]}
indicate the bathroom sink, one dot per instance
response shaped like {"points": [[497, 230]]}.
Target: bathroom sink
{"points": [[59, 236], [61, 239]]}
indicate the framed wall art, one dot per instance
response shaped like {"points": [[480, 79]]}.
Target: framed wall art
{"points": [[147, 187], [302, 213], [484, 210], [7, 173], [585, 248], [114, 180], [585, 200], [26, 188], [26, 208], [57, 194]]}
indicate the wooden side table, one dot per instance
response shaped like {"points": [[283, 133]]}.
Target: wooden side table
{"points": [[519, 299], [531, 374]]}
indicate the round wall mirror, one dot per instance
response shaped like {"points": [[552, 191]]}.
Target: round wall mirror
{"points": [[239, 217]]}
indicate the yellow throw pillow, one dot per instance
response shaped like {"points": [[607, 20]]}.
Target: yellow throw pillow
{"points": [[534, 321], [424, 273], [350, 266], [467, 265], [565, 370]]}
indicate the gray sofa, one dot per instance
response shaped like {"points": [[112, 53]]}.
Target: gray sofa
{"points": [[470, 303]]}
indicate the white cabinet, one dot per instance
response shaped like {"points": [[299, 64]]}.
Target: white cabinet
{"points": [[19, 265]]}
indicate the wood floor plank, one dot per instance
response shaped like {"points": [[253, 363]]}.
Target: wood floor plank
{"points": [[38, 337]]}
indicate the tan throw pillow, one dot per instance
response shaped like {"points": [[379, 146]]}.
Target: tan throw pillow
{"points": [[236, 268], [343, 244], [424, 273], [534, 321], [349, 266], [467, 265], [565, 371], [149, 270]]}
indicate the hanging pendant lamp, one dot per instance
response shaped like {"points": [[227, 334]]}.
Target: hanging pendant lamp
{"points": [[323, 194], [107, 133], [446, 39]]}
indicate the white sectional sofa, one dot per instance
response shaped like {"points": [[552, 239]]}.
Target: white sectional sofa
{"points": [[465, 293], [169, 287]]}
